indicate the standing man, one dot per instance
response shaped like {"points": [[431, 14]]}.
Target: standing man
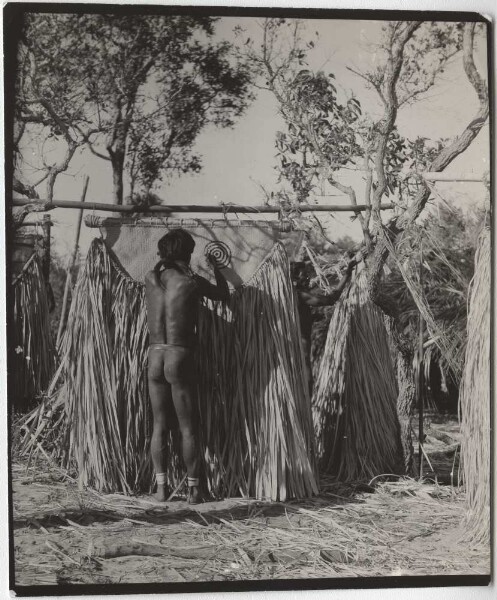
{"points": [[173, 294], [307, 299]]}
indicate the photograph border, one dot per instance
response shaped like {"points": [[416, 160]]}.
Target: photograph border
{"points": [[12, 16]]}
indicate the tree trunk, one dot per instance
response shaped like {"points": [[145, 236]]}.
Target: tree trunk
{"points": [[116, 147], [51, 184], [61, 166], [26, 190], [406, 397], [405, 401], [117, 161]]}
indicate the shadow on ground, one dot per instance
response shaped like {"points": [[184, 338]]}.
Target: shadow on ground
{"points": [[175, 512]]}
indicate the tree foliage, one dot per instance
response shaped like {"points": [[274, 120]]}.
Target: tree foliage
{"points": [[326, 135], [136, 90], [325, 128]]}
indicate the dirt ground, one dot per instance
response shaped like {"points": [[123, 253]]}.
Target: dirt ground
{"points": [[63, 535]]}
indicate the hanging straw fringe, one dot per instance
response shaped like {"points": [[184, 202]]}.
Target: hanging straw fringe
{"points": [[475, 410], [90, 374], [255, 416], [34, 352], [322, 281], [448, 347], [354, 404], [255, 407], [96, 419]]}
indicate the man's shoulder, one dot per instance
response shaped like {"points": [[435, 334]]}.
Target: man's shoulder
{"points": [[150, 277]]}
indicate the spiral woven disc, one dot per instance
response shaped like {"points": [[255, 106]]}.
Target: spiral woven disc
{"points": [[219, 252]]}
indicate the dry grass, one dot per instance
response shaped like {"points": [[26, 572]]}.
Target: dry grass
{"points": [[404, 528], [255, 406], [255, 415], [95, 418], [34, 354], [449, 345], [475, 399], [355, 393]]}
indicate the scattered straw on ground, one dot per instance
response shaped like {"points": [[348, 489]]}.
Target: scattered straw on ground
{"points": [[403, 528]]}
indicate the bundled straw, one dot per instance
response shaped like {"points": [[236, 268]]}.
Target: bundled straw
{"points": [[34, 352], [103, 380], [449, 347], [90, 375], [354, 403], [474, 397], [254, 403], [255, 415]]}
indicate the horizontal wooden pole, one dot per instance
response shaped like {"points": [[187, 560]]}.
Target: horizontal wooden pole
{"points": [[198, 208], [433, 176], [36, 223]]}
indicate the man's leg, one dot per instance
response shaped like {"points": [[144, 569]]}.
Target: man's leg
{"points": [[179, 369], [163, 416], [184, 398]]}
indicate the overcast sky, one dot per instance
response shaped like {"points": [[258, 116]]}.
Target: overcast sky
{"points": [[237, 161]]}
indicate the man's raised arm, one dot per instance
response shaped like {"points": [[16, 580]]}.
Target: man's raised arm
{"points": [[317, 299], [220, 291]]}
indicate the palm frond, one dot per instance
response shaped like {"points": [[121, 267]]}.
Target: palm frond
{"points": [[255, 413], [475, 408], [354, 403], [34, 356]]}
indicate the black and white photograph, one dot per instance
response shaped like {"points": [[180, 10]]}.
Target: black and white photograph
{"points": [[248, 294]]}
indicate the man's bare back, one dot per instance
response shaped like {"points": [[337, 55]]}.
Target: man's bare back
{"points": [[173, 294], [172, 307], [173, 302]]}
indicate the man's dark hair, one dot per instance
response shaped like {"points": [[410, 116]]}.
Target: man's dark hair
{"points": [[176, 245]]}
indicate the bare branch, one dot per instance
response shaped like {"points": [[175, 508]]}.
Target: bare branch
{"points": [[446, 156], [26, 190], [97, 153], [470, 69], [462, 142], [41, 179], [18, 136], [368, 78], [321, 229], [409, 96], [30, 117], [392, 72], [365, 219]]}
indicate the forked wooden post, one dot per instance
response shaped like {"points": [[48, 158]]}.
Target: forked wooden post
{"points": [[421, 374], [70, 267], [46, 226]]}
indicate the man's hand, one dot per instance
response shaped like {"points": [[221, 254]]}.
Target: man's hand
{"points": [[350, 266], [354, 261], [211, 262], [220, 291]]}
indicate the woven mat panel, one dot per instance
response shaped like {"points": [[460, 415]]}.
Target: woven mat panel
{"points": [[134, 242]]}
